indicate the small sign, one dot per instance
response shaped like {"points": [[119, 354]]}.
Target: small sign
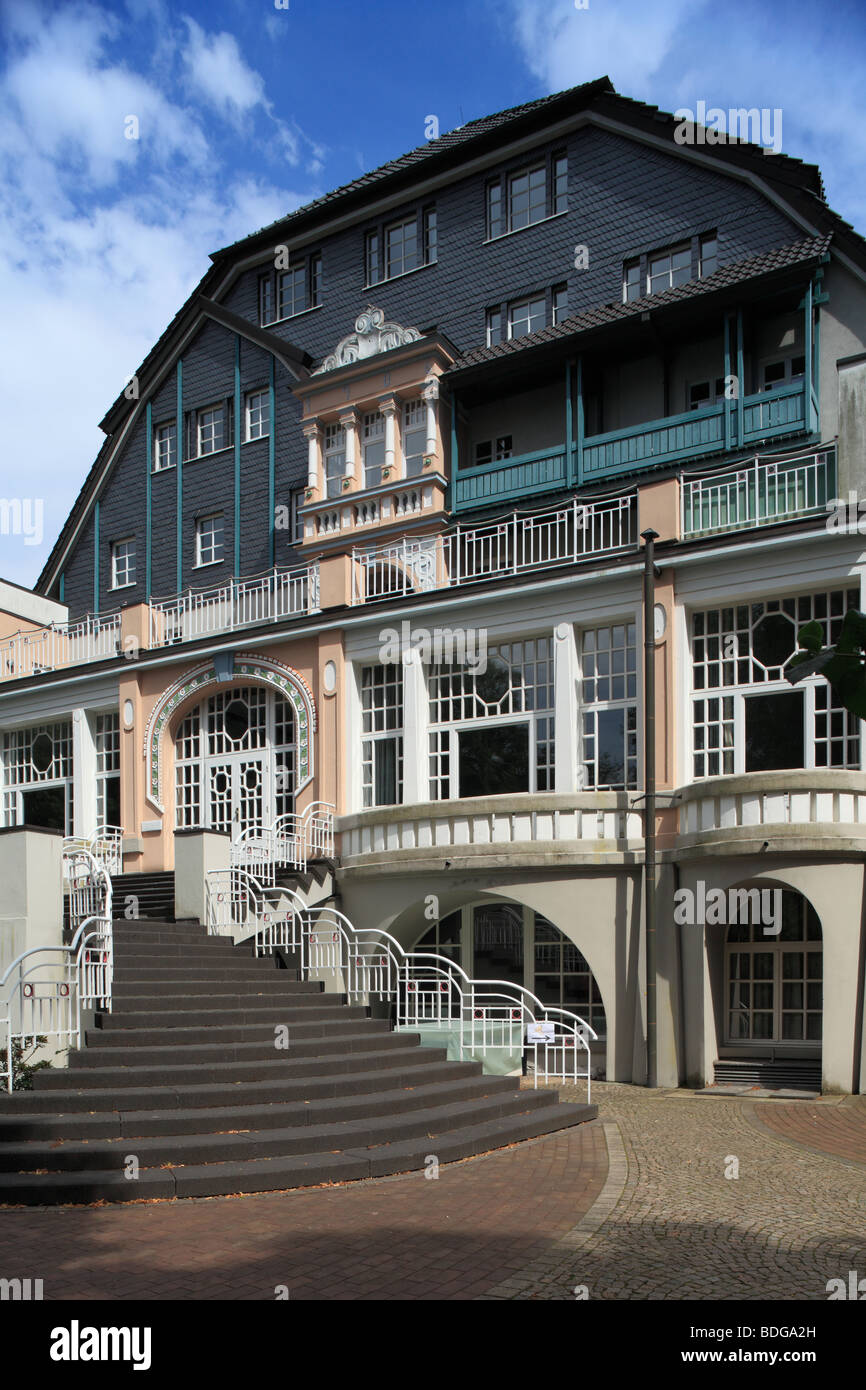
{"points": [[543, 1032]]}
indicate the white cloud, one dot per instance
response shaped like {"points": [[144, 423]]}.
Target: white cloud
{"points": [[217, 71]]}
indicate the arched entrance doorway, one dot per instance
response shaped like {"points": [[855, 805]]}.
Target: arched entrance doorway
{"points": [[774, 985], [235, 761]]}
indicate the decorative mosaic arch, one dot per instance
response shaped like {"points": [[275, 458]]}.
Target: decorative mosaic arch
{"points": [[247, 668]]}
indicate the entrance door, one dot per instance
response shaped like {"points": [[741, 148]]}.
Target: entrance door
{"points": [[774, 985], [237, 793]]}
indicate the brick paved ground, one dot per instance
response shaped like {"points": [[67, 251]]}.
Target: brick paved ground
{"points": [[660, 1221]]}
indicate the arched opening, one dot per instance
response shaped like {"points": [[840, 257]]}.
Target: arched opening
{"points": [[508, 941], [773, 982], [235, 760]]}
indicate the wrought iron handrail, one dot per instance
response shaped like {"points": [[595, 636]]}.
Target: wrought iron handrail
{"points": [[291, 842], [106, 847], [428, 990]]}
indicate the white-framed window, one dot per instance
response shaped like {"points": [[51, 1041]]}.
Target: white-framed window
{"points": [[609, 743], [374, 447], [782, 371], [108, 769], [401, 248], [292, 291], [708, 259], [296, 517], [382, 734], [526, 316], [123, 564], [396, 248], [631, 288], [527, 195], [414, 436], [165, 446], [209, 540], [257, 414], [37, 776], [494, 327], [559, 304], [492, 450], [212, 432], [703, 393], [493, 732], [431, 236], [745, 716], [335, 459], [285, 293], [667, 269]]}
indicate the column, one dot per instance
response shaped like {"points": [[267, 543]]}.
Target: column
{"points": [[388, 407], [83, 773], [415, 723], [565, 698], [313, 434], [349, 421], [431, 397]]}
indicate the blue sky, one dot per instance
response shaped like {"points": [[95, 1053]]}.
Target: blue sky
{"points": [[246, 110]]}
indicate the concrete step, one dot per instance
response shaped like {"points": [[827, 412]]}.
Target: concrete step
{"points": [[215, 1054], [97, 1039], [254, 1009]]}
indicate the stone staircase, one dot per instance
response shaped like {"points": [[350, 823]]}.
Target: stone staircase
{"points": [[181, 1090]]}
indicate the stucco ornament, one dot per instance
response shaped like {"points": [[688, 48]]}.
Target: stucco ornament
{"points": [[371, 336], [248, 668]]}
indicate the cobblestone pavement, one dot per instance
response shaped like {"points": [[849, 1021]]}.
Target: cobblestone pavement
{"points": [[681, 1229], [634, 1206]]}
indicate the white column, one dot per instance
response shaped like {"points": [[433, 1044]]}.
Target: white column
{"points": [[349, 421], [83, 773], [566, 705], [388, 407], [354, 730], [416, 717], [431, 397], [313, 436]]}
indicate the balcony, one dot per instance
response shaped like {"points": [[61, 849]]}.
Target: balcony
{"points": [[758, 494], [542, 829], [238, 604], [793, 812], [62, 644], [716, 429]]}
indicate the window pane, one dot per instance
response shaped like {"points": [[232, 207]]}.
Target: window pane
{"points": [[494, 761], [774, 731]]}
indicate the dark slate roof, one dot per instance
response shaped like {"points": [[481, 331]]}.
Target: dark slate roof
{"points": [[809, 251]]}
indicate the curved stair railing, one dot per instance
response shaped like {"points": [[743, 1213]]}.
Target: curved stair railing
{"points": [[429, 991], [46, 989], [106, 846], [291, 842]]}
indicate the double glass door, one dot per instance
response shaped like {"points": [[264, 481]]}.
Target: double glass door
{"points": [[775, 986]]}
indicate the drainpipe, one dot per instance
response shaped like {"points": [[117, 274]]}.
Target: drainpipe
{"points": [[649, 735]]}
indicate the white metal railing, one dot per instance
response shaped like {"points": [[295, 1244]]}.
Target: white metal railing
{"points": [[106, 846], [758, 493], [514, 545], [291, 842], [59, 644], [46, 989], [428, 990], [235, 604]]}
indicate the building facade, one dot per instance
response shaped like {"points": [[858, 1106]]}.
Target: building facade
{"points": [[366, 530]]}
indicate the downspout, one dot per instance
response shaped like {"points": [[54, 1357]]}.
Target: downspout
{"points": [[650, 537]]}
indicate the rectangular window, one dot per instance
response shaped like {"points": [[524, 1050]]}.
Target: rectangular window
{"points": [[746, 718], [292, 291], [374, 448], [609, 686], [374, 263], [107, 769], [431, 237], [212, 431], [123, 564], [258, 415], [494, 760], [787, 369], [414, 437], [315, 281], [335, 459], [266, 299], [401, 248], [494, 327], [296, 519], [526, 316], [631, 281], [209, 540], [492, 450], [704, 393], [559, 303], [495, 220], [709, 255], [560, 183], [669, 269], [165, 446], [382, 735], [527, 198]]}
